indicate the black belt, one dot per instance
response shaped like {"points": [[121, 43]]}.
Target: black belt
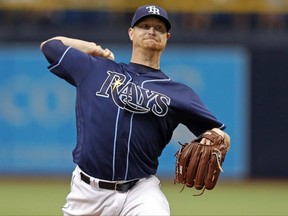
{"points": [[121, 187]]}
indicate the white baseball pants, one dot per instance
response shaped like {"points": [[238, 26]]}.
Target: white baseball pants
{"points": [[145, 198]]}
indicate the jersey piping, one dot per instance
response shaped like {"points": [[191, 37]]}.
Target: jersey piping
{"points": [[115, 143], [128, 148], [59, 62], [155, 80]]}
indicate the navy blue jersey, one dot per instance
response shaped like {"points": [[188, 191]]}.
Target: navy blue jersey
{"points": [[125, 113]]}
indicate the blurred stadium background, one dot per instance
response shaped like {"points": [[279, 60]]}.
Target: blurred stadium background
{"points": [[234, 53]]}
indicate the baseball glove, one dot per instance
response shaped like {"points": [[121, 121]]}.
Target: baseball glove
{"points": [[199, 164]]}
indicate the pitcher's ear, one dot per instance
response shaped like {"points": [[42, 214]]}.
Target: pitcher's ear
{"points": [[168, 35], [130, 33]]}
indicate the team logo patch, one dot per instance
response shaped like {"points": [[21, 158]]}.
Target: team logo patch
{"points": [[134, 98]]}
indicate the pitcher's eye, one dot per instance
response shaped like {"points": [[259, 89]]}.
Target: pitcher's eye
{"points": [[160, 28], [144, 26]]}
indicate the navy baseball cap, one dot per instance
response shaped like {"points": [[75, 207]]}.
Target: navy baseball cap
{"points": [[151, 10]]}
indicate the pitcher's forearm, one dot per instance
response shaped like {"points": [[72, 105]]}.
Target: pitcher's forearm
{"points": [[90, 48]]}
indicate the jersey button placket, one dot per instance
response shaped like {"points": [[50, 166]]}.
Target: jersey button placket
{"points": [[136, 80]]}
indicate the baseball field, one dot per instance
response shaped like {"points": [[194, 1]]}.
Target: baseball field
{"points": [[42, 196]]}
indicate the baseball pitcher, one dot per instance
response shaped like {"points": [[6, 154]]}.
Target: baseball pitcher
{"points": [[126, 114]]}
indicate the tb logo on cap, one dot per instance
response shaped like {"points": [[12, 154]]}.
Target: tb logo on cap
{"points": [[153, 9]]}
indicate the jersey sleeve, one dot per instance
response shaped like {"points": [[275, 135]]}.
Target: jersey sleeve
{"points": [[195, 115], [66, 62]]}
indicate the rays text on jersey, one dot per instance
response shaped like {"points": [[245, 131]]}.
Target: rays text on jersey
{"points": [[132, 97]]}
